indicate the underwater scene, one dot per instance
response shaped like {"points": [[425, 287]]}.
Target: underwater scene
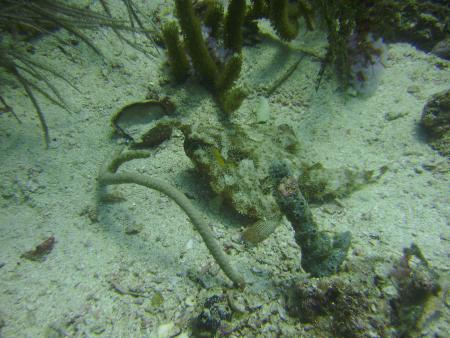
{"points": [[214, 168]]}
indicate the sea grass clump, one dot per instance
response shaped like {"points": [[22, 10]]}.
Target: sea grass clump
{"points": [[21, 21]]}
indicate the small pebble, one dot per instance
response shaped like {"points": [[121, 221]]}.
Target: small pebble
{"points": [[134, 229], [413, 89], [167, 330], [394, 115]]}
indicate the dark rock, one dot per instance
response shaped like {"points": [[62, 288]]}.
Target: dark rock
{"points": [[213, 317]]}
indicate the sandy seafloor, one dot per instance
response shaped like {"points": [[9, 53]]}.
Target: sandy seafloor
{"points": [[47, 192]]}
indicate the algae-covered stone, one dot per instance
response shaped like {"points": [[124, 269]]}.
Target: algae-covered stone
{"points": [[436, 121]]}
